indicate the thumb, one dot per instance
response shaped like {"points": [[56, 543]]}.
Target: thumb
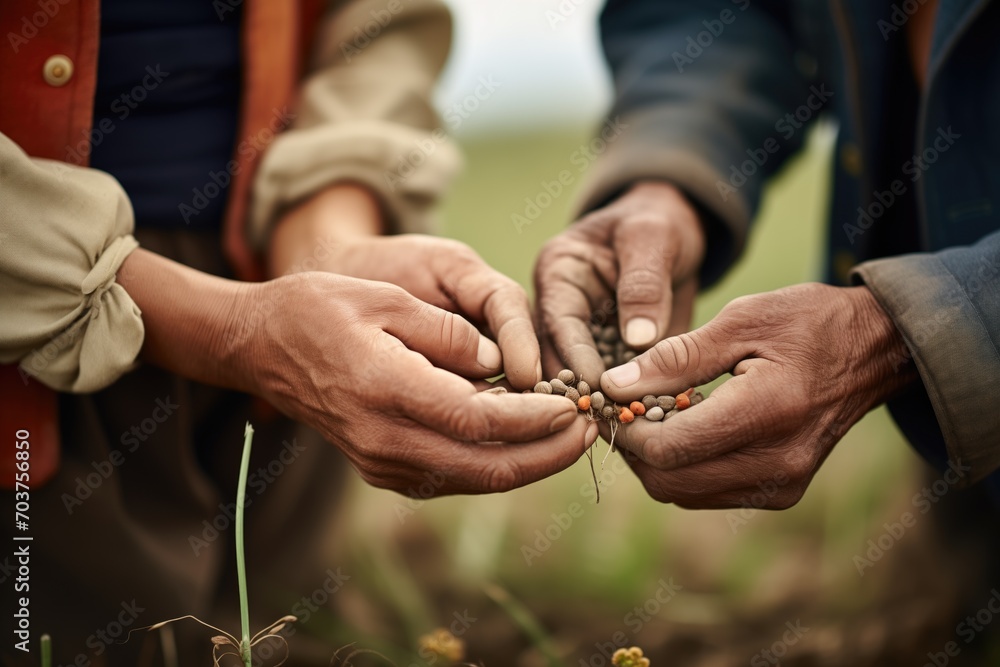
{"points": [[675, 364], [644, 282]]}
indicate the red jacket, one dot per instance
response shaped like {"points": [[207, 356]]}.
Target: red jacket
{"points": [[49, 69]]}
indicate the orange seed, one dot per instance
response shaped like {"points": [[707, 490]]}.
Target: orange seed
{"points": [[583, 403], [625, 416], [637, 408], [683, 401]]}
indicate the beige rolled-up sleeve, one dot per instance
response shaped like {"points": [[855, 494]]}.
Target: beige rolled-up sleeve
{"points": [[64, 232], [366, 116]]}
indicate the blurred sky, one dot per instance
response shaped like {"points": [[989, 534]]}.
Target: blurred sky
{"points": [[545, 54]]}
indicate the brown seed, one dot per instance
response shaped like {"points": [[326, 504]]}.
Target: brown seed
{"points": [[654, 414], [605, 348], [668, 403], [608, 412], [597, 400], [558, 386], [543, 387], [637, 408], [567, 376], [572, 394], [649, 401], [609, 360], [626, 416], [683, 401], [496, 390], [583, 388], [584, 403], [609, 334]]}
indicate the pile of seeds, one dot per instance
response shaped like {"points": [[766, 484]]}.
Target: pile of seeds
{"points": [[594, 403], [610, 345]]}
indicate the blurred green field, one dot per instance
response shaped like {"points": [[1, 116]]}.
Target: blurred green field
{"points": [[743, 576]]}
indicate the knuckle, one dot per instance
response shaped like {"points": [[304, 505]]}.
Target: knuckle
{"points": [[501, 477], [797, 463], [640, 286]]}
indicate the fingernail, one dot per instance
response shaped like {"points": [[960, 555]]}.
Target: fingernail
{"points": [[640, 331], [562, 421], [488, 356], [624, 375], [591, 436]]}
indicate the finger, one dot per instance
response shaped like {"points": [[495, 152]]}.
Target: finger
{"points": [[679, 362], [496, 468], [451, 405], [644, 280], [446, 339], [736, 471], [682, 311], [568, 290], [730, 419], [488, 295]]}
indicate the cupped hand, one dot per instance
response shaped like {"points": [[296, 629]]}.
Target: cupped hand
{"points": [[636, 260], [381, 374], [807, 361]]}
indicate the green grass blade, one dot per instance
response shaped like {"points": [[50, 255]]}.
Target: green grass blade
{"points": [[241, 566], [46, 651]]}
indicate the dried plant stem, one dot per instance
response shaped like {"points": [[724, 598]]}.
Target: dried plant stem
{"points": [[46, 641], [241, 566]]}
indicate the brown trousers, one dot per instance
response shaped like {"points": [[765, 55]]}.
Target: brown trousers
{"points": [[137, 525]]}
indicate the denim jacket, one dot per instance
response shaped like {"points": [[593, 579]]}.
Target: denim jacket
{"points": [[718, 94]]}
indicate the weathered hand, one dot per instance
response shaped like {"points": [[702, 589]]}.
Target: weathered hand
{"points": [[808, 362], [381, 373], [338, 232], [638, 256]]}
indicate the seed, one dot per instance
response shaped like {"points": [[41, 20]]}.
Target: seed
{"points": [[671, 413], [626, 416], [609, 360], [609, 334], [605, 348], [496, 390], [608, 412], [597, 400], [583, 388], [543, 387], [683, 401], [567, 376], [654, 414], [637, 408], [697, 398], [619, 350], [572, 394], [583, 403], [668, 403], [649, 401], [558, 386]]}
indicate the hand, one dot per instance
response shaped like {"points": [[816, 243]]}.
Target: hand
{"points": [[808, 362], [335, 232], [377, 372], [641, 252]]}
